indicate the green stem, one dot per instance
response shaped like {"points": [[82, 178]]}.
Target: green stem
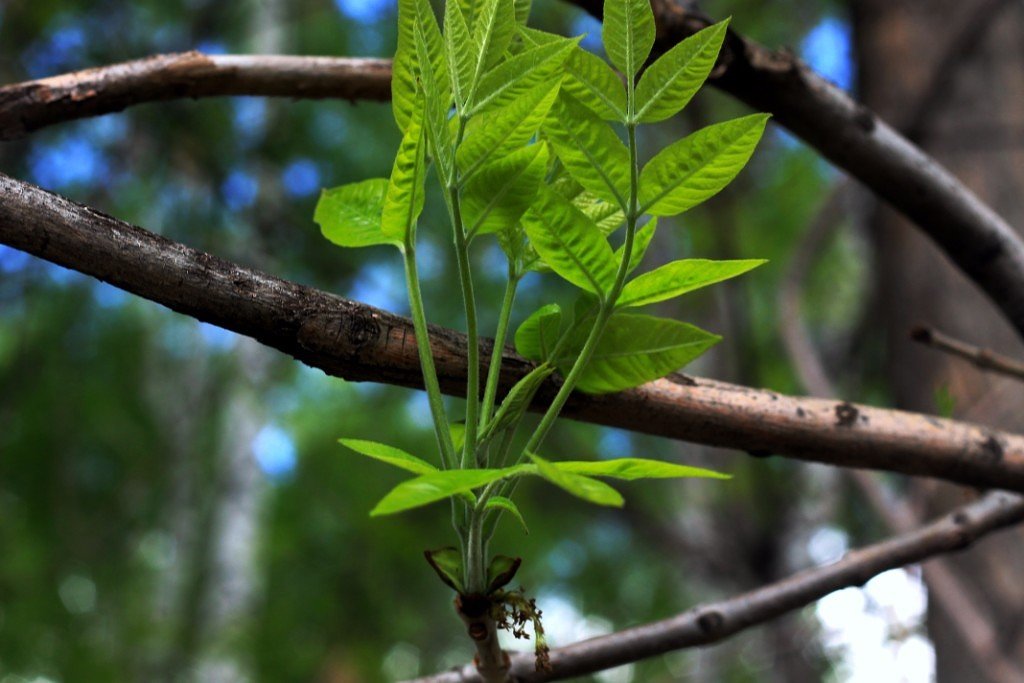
{"points": [[494, 371], [430, 383], [469, 301]]}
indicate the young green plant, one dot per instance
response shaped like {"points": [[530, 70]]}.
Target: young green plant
{"points": [[533, 143]]}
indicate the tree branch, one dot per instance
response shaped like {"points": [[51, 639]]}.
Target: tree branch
{"points": [[357, 342], [28, 106], [986, 359], [716, 621]]}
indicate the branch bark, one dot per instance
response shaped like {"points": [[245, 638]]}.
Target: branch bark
{"points": [[358, 342], [716, 621], [25, 107]]}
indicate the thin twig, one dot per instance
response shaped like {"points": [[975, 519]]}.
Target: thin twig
{"points": [[358, 342], [716, 621], [986, 359]]}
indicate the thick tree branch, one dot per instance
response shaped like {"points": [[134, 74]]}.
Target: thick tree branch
{"points": [[717, 621], [25, 107], [357, 342], [972, 235]]}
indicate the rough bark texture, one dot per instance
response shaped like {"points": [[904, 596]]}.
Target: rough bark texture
{"points": [[963, 60], [357, 342], [717, 621]]}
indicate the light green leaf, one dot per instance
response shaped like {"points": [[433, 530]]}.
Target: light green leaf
{"points": [[590, 490], [590, 150], [350, 215], [636, 349], [404, 198], [447, 562], [436, 103], [493, 31], [429, 488], [570, 243], [458, 433], [522, 9], [508, 81], [641, 241], [537, 336], [679, 277], [406, 69], [607, 216], [504, 130], [390, 455], [496, 197], [628, 33], [695, 168], [517, 401], [502, 503], [636, 468], [593, 83], [668, 84], [463, 54]]}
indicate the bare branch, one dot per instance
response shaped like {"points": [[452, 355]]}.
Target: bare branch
{"points": [[25, 107], [985, 359], [716, 621], [357, 342]]}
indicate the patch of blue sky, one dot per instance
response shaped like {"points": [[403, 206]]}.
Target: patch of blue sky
{"points": [[417, 408], [382, 285], [301, 178], [12, 260], [217, 338], [275, 453], [104, 130], [249, 117], [107, 295], [827, 48], [429, 260], [495, 264], [61, 276], [329, 127], [239, 190], [366, 11], [61, 50], [212, 47], [589, 27], [169, 37], [614, 443], [69, 161]]}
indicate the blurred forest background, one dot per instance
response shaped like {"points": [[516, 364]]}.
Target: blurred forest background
{"points": [[173, 502]]}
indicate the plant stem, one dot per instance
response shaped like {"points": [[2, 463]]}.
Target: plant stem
{"points": [[430, 383], [494, 370]]}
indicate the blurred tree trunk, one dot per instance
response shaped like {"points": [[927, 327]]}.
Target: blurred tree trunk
{"points": [[951, 73]]}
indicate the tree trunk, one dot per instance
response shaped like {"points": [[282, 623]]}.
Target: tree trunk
{"points": [[952, 74]]}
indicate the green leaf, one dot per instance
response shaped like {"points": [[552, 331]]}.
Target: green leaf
{"points": [[590, 490], [350, 215], [390, 455], [447, 562], [503, 504], [501, 571], [593, 83], [635, 349], [429, 488], [679, 277], [522, 10], [537, 336], [505, 130], [636, 468], [436, 103], [668, 84], [628, 33], [404, 198], [641, 241], [591, 151], [496, 197], [695, 168], [517, 401], [494, 30], [458, 434], [463, 54], [570, 243], [407, 67], [588, 78], [504, 84]]}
